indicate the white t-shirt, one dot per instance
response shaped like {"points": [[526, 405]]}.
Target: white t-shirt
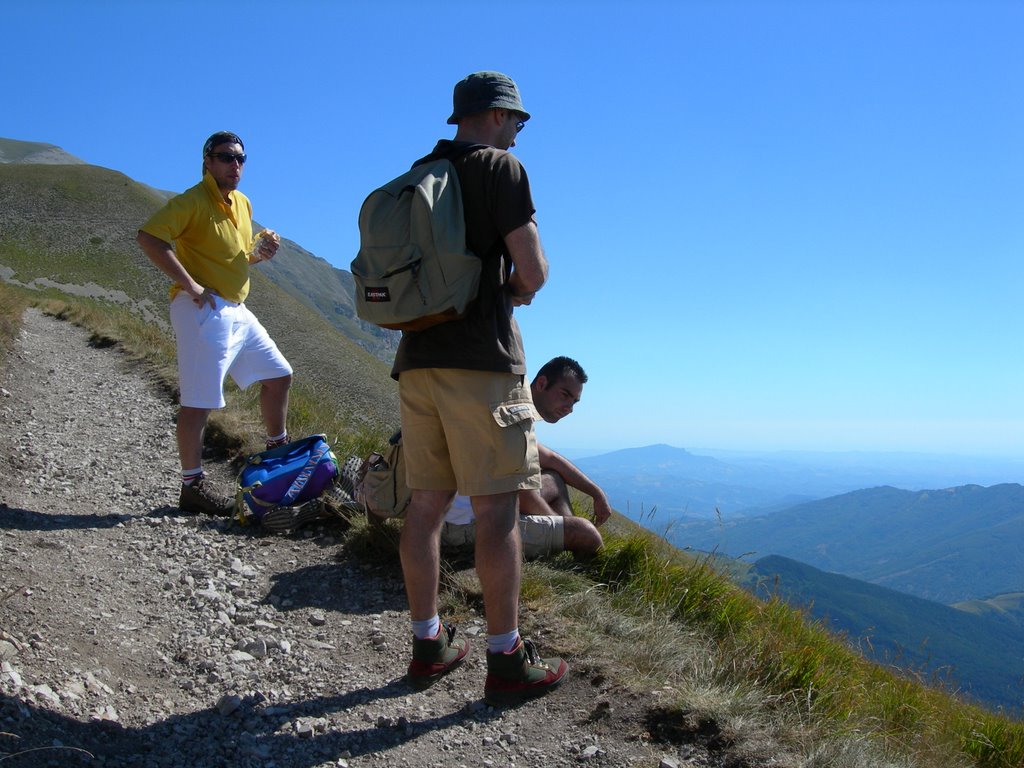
{"points": [[460, 512]]}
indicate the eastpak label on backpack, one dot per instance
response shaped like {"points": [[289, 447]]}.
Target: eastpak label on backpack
{"points": [[413, 269]]}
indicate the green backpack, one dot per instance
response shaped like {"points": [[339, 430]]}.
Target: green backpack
{"points": [[413, 269]]}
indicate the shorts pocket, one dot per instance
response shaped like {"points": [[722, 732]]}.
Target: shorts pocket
{"points": [[204, 313], [515, 412], [518, 452]]}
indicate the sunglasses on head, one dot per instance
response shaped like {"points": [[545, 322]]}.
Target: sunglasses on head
{"points": [[228, 157]]}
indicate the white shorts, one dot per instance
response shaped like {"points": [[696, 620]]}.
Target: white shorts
{"points": [[542, 535], [220, 340]]}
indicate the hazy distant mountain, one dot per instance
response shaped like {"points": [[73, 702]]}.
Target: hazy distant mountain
{"points": [[680, 483], [950, 545], [983, 656]]}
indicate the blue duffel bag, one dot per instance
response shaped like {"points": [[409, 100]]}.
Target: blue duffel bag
{"points": [[286, 476]]}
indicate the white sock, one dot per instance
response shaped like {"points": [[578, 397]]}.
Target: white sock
{"points": [[503, 643], [427, 630], [189, 476], [281, 439]]}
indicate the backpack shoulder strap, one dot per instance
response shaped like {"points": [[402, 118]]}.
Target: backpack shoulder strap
{"points": [[452, 153]]}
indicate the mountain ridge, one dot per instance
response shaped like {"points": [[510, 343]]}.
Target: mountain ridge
{"points": [[14, 151], [947, 545], [681, 483], [934, 640]]}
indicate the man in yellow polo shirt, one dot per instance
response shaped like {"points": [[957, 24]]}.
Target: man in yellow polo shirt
{"points": [[211, 228]]}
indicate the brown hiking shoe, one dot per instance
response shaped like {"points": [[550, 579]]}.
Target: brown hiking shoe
{"points": [[521, 674], [201, 496], [435, 657]]}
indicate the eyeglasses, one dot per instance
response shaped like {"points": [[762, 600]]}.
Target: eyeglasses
{"points": [[228, 157], [519, 124]]}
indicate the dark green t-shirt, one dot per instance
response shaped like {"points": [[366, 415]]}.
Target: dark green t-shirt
{"points": [[496, 199]]}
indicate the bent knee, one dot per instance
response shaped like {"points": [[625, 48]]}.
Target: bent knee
{"points": [[582, 537]]}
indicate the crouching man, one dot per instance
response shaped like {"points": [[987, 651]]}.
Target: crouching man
{"points": [[546, 521]]}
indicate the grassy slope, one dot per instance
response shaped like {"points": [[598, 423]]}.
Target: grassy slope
{"points": [[84, 219], [76, 225], [1008, 608], [912, 633], [655, 615], [328, 291], [13, 151]]}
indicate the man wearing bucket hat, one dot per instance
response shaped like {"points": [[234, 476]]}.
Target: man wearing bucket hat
{"points": [[467, 414]]}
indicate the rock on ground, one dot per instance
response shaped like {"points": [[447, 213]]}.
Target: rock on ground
{"points": [[131, 635]]}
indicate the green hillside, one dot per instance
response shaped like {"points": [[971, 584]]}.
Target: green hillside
{"points": [[12, 151], [978, 655], [949, 545], [1007, 608], [329, 292], [75, 225], [72, 228], [84, 219]]}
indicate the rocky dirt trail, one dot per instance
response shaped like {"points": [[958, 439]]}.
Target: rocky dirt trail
{"points": [[131, 635]]}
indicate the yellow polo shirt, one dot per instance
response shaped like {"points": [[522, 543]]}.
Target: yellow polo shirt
{"points": [[211, 238]]}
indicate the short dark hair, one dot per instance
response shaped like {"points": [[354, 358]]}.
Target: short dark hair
{"points": [[557, 368]]}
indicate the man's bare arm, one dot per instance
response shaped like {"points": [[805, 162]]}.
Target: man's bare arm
{"points": [[574, 477], [163, 256], [530, 265]]}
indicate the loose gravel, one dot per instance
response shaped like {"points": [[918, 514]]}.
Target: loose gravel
{"points": [[132, 635]]}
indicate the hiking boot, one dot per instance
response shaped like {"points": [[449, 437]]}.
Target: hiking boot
{"points": [[348, 476], [201, 496], [340, 504], [521, 674], [286, 519], [434, 657]]}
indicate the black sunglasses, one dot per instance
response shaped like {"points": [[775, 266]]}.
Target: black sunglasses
{"points": [[520, 124], [228, 157]]}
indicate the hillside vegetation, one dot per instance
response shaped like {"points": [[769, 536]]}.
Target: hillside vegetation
{"points": [[85, 218], [934, 640], [1008, 608], [757, 679], [71, 230], [13, 151], [893, 538]]}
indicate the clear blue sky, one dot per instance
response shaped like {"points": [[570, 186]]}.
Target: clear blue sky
{"points": [[770, 224]]}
